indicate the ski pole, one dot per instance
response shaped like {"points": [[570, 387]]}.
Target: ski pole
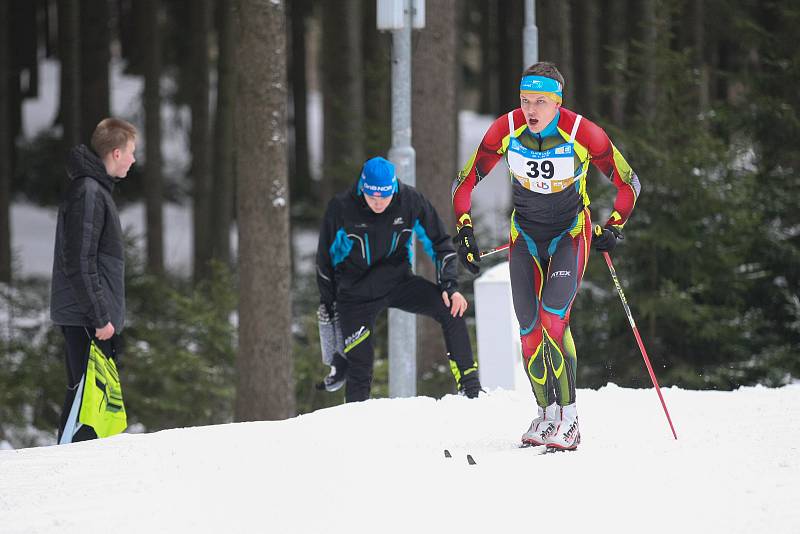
{"points": [[638, 339], [496, 249]]}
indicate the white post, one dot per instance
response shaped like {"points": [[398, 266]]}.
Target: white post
{"points": [[402, 325], [530, 36], [499, 347]]}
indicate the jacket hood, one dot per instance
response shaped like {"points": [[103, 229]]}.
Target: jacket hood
{"points": [[82, 161]]}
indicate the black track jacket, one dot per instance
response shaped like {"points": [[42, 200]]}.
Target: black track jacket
{"points": [[362, 255]]}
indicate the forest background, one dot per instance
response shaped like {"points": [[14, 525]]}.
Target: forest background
{"points": [[701, 97]]}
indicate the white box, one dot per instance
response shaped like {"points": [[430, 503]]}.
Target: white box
{"points": [[499, 346]]}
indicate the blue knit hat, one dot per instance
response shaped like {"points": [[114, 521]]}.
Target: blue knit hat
{"points": [[378, 178]]}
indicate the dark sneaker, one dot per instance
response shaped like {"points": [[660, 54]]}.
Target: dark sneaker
{"points": [[470, 386], [338, 375]]}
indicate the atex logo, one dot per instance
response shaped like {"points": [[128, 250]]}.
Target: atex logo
{"points": [[560, 274], [398, 220]]}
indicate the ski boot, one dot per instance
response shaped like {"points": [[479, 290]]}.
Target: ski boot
{"points": [[566, 436], [542, 426]]}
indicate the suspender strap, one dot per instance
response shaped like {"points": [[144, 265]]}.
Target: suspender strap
{"points": [[575, 128], [511, 123]]}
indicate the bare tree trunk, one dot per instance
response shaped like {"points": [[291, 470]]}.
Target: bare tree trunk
{"points": [[5, 146], [69, 48], [95, 56], [591, 57], [342, 95], [647, 108], [510, 18], [301, 177], [154, 198], [435, 133], [547, 20], [265, 387], [488, 78], [700, 63], [377, 84], [565, 62], [200, 138], [619, 61], [24, 35], [224, 148], [131, 30]]}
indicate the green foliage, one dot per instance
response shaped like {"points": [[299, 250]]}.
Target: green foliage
{"points": [[32, 374], [711, 254], [178, 368]]}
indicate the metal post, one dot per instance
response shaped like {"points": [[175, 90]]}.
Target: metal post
{"points": [[530, 35], [402, 325]]}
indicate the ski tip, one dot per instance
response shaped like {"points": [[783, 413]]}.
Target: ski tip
{"points": [[470, 460], [447, 454]]}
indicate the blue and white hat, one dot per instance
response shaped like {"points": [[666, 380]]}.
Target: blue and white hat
{"points": [[378, 178]]}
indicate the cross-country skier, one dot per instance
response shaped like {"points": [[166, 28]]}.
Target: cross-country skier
{"points": [[548, 149], [363, 268]]}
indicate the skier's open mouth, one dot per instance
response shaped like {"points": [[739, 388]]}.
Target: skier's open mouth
{"points": [[533, 122]]}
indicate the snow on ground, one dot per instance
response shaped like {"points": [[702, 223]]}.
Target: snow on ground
{"points": [[379, 466]]}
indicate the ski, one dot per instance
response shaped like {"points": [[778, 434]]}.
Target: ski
{"points": [[470, 459]]}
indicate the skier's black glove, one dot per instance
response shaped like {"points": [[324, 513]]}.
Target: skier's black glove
{"points": [[451, 286], [468, 251], [605, 239]]}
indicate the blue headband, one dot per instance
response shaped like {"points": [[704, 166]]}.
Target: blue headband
{"points": [[540, 84]]}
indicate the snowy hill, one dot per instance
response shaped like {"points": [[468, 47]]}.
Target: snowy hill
{"points": [[379, 466]]}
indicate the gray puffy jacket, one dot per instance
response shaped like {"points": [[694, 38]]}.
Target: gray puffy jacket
{"points": [[88, 287]]}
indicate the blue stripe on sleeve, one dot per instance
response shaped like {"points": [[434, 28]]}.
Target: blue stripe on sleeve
{"points": [[427, 244]]}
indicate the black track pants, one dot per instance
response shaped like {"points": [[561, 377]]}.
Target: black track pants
{"points": [[414, 295]]}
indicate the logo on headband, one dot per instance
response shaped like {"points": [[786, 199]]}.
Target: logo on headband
{"points": [[540, 84], [377, 189]]}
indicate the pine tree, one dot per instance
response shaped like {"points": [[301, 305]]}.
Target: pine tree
{"points": [[264, 363]]}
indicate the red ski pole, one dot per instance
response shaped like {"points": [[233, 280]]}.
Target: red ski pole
{"points": [[638, 339], [496, 249]]}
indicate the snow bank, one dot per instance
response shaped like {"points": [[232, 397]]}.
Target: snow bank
{"points": [[379, 466]]}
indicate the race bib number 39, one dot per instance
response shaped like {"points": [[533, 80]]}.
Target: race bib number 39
{"points": [[549, 171]]}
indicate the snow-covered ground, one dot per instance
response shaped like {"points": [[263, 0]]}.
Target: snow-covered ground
{"points": [[379, 466]]}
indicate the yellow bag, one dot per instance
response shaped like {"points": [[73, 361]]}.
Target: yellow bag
{"points": [[102, 407]]}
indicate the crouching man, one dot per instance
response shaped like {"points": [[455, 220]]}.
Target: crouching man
{"points": [[363, 267]]}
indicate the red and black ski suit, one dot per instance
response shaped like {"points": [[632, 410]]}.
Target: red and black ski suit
{"points": [[551, 230]]}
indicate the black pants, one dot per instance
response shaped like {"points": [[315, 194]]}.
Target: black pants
{"points": [[76, 358], [414, 295]]}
